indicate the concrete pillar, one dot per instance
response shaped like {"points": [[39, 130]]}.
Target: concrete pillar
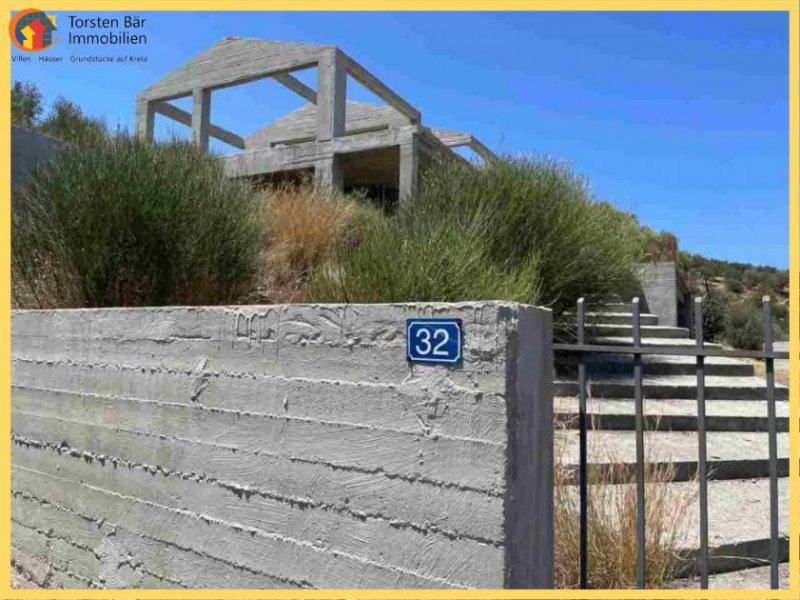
{"points": [[145, 119], [331, 95], [328, 172], [201, 117], [409, 168]]}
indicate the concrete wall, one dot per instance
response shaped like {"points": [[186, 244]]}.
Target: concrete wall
{"points": [[28, 149], [664, 293], [283, 446]]}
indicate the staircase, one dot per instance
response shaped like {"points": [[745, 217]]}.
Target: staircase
{"points": [[736, 424]]}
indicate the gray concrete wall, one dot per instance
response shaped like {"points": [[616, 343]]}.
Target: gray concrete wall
{"points": [[28, 149], [663, 292], [281, 447]]}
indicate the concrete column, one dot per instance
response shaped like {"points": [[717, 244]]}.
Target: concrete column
{"points": [[328, 172], [201, 117], [331, 95], [409, 168], [145, 119]]}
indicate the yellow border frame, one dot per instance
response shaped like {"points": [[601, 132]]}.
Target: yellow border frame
{"points": [[792, 7]]}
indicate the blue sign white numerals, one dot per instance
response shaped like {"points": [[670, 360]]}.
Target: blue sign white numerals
{"points": [[434, 340]]}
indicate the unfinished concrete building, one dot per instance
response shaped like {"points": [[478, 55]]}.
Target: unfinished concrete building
{"points": [[345, 144]]}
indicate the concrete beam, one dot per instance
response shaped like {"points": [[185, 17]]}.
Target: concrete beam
{"points": [[457, 139], [383, 91], [201, 117], [331, 95], [308, 154], [234, 62], [185, 118], [296, 86]]}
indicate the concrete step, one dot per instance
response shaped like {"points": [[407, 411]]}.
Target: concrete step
{"points": [[738, 525], [617, 318], [672, 415], [621, 340], [676, 387], [647, 331], [730, 455], [622, 364], [738, 520], [613, 307], [751, 578]]}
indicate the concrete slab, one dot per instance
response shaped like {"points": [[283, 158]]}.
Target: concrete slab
{"points": [[731, 455], [674, 387], [680, 415], [745, 579], [662, 365], [618, 340], [653, 331], [738, 510]]}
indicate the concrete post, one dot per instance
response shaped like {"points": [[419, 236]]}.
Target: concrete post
{"points": [[201, 117], [145, 119], [328, 172], [331, 95], [409, 168]]}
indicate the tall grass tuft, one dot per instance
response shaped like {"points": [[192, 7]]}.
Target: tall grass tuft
{"points": [[612, 522], [518, 229], [304, 224], [129, 223]]}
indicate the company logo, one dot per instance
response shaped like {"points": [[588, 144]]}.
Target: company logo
{"points": [[32, 30]]}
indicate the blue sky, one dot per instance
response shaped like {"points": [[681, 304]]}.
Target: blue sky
{"points": [[681, 118]]}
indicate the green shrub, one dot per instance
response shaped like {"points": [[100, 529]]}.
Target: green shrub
{"points": [[132, 223], [745, 327], [715, 315], [736, 285], [66, 121], [518, 229]]}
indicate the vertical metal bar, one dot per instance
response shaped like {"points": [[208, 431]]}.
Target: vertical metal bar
{"points": [[773, 444], [583, 462], [640, 472], [701, 443]]}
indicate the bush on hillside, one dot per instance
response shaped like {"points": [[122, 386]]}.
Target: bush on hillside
{"points": [[745, 327], [132, 223], [715, 315], [66, 121], [517, 229]]}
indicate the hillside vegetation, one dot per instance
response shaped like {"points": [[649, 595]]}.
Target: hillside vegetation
{"points": [[115, 221]]}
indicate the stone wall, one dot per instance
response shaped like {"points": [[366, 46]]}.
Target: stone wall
{"points": [[281, 447]]}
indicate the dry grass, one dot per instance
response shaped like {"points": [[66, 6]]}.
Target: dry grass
{"points": [[612, 524], [304, 224], [781, 375]]}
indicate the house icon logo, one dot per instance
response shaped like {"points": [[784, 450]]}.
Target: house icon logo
{"points": [[32, 30]]}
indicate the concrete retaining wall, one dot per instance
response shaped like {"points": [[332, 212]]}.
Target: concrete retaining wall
{"points": [[28, 149], [665, 293], [283, 446]]}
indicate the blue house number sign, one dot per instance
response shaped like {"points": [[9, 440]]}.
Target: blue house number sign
{"points": [[434, 340]]}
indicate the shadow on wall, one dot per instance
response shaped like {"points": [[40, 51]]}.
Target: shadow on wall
{"points": [[29, 149]]}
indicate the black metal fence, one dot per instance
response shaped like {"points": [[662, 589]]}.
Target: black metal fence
{"points": [[581, 348]]}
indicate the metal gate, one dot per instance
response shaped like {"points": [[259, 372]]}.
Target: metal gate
{"points": [[583, 349]]}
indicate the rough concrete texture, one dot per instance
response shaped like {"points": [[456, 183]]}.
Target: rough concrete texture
{"points": [[662, 291], [282, 446], [29, 149]]}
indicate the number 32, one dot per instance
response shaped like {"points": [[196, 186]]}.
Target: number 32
{"points": [[424, 345]]}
